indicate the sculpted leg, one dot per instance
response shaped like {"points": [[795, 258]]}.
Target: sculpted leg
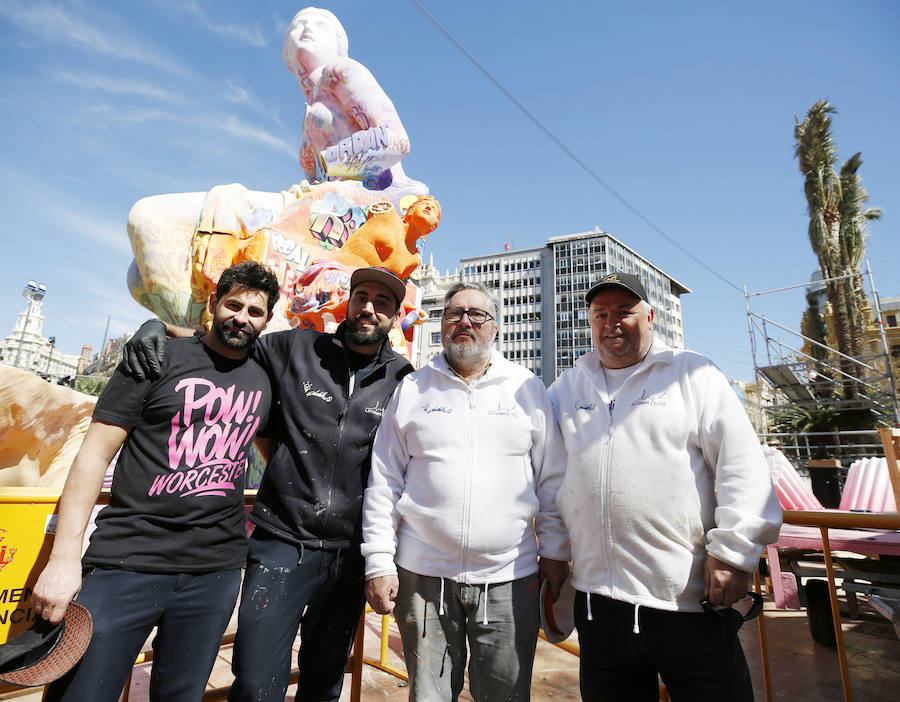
{"points": [[161, 228]]}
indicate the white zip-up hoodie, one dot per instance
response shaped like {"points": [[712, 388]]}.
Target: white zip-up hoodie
{"points": [[470, 472], [670, 474]]}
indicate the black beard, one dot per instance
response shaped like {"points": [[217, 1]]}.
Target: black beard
{"points": [[366, 338], [237, 339]]}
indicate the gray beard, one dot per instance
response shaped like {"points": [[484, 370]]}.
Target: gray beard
{"points": [[467, 355]]}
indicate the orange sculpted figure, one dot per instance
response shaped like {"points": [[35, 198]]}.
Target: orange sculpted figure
{"points": [[387, 240]]}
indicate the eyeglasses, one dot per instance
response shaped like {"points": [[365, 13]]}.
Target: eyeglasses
{"points": [[736, 613], [476, 316]]}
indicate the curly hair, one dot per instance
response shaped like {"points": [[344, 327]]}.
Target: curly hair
{"points": [[251, 275]]}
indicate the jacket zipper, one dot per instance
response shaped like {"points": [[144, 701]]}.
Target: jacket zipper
{"points": [[469, 470], [604, 482], [345, 411]]}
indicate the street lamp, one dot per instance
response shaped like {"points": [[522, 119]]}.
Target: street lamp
{"points": [[52, 341], [33, 292]]}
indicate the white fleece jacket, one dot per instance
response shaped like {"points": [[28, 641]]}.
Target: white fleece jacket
{"points": [[673, 472], [465, 476]]}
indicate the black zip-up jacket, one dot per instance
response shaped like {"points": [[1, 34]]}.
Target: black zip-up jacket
{"points": [[311, 492]]}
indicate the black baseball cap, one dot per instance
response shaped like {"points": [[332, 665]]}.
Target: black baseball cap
{"points": [[46, 651], [629, 282], [381, 275]]}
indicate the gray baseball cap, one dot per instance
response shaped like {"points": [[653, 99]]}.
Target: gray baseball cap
{"points": [[381, 275]]}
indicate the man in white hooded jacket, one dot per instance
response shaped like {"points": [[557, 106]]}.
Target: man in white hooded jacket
{"points": [[465, 470], [667, 499]]}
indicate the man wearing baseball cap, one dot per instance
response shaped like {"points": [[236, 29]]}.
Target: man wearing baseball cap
{"points": [[668, 503], [304, 568]]}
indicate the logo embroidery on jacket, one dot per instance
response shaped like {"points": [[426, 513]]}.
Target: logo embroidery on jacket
{"points": [[321, 394], [582, 404], [377, 409], [428, 408], [501, 411], [659, 400]]}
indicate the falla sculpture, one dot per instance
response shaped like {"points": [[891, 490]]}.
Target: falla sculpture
{"points": [[355, 207]]}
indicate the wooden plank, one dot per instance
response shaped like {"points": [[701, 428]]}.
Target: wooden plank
{"points": [[890, 440]]}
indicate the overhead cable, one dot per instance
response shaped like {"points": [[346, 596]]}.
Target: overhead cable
{"points": [[571, 154]]}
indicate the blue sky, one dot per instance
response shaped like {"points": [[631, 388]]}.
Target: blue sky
{"points": [[685, 109]]}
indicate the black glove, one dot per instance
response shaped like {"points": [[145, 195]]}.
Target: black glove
{"points": [[145, 351]]}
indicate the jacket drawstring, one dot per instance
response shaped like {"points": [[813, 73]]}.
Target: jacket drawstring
{"points": [[300, 556], [441, 607], [637, 628], [484, 619], [590, 617]]}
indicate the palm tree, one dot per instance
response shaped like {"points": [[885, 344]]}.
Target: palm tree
{"points": [[854, 216], [812, 326], [816, 156]]}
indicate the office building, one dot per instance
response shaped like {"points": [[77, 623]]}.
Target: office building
{"points": [[543, 318], [579, 260]]}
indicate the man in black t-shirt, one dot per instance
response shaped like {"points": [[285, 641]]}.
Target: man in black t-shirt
{"points": [[304, 568], [168, 548]]}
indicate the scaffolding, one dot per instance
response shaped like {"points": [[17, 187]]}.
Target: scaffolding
{"points": [[791, 378]]}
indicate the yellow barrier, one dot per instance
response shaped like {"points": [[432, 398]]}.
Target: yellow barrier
{"points": [[27, 527], [27, 523]]}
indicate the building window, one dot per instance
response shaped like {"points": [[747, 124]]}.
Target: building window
{"points": [[892, 320], [435, 337]]}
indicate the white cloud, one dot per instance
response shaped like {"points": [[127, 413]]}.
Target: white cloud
{"points": [[126, 314], [135, 115], [249, 132], [80, 181], [55, 24], [60, 211], [111, 233], [279, 25], [245, 35], [238, 93], [121, 87], [102, 298], [209, 123]]}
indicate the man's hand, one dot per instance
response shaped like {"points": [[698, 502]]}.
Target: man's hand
{"points": [[723, 583], [381, 593], [555, 573], [56, 587], [145, 351]]}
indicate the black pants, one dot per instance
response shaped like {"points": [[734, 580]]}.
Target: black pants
{"points": [[190, 611], [698, 656], [319, 591]]}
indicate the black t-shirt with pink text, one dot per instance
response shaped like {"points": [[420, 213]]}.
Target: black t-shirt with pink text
{"points": [[177, 498]]}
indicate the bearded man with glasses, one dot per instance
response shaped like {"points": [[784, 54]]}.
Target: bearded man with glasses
{"points": [[469, 455]]}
